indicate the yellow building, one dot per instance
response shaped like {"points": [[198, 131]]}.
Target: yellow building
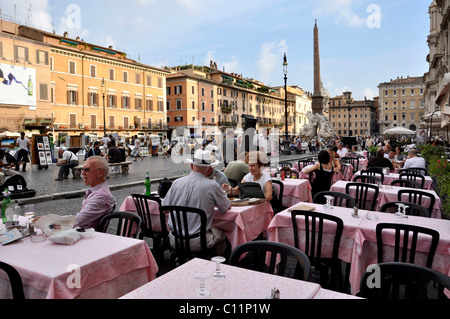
{"points": [[401, 103], [94, 89], [25, 78]]}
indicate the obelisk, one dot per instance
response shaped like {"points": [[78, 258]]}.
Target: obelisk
{"points": [[317, 98]]}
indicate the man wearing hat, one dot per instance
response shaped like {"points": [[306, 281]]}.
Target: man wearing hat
{"points": [[197, 190]]}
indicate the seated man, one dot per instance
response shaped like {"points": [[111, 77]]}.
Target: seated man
{"points": [[94, 150], [98, 200], [6, 162], [414, 161], [197, 190], [114, 154], [69, 160], [236, 170], [379, 160]]}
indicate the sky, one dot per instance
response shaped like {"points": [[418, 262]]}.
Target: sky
{"points": [[362, 42]]}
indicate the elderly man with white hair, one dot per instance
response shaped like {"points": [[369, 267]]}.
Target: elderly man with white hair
{"points": [[198, 191], [414, 161]]}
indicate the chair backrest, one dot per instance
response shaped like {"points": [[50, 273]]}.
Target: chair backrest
{"points": [[414, 170], [344, 169], [353, 161], [128, 224], [413, 177], [144, 211], [377, 169], [416, 196], [367, 179], [373, 173], [233, 182], [405, 241], [303, 163], [313, 225], [257, 254], [405, 183], [285, 164], [277, 200], [14, 279], [399, 280], [411, 209], [340, 199], [361, 195], [295, 173], [179, 215]]}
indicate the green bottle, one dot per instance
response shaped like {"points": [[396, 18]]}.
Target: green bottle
{"points": [[30, 86], [148, 184], [5, 204]]}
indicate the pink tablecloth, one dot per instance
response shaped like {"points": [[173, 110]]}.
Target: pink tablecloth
{"points": [[129, 206], [240, 283], [295, 191], [109, 267], [240, 223], [391, 195], [393, 176]]}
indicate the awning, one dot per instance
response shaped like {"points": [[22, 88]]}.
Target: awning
{"points": [[226, 77]]}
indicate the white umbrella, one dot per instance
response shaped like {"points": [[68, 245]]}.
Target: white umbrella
{"points": [[399, 130]]}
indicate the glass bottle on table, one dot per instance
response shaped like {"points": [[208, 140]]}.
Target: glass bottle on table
{"points": [[6, 203], [148, 184]]}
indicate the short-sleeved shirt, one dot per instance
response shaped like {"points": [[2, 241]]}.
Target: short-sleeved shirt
{"points": [[69, 156], [261, 181], [415, 162]]}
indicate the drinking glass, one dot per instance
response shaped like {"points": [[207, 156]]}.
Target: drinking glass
{"points": [[288, 174], [29, 212], [226, 188], [202, 292], [328, 206], [401, 210], [218, 277], [372, 216]]}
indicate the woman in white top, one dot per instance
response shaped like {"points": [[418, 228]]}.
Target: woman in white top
{"points": [[256, 162]]}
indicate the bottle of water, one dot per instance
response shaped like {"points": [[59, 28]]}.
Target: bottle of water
{"points": [[5, 205], [148, 184]]}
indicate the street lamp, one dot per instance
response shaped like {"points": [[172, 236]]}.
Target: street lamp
{"points": [[286, 150], [104, 114]]}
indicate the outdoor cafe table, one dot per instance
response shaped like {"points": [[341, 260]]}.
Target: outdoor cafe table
{"points": [[336, 177], [390, 194], [388, 178], [110, 266], [240, 223], [358, 242], [295, 191], [240, 283]]}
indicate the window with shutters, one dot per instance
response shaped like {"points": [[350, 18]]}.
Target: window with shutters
{"points": [[179, 104], [43, 91], [149, 80], [160, 82], [72, 97], [93, 121], [73, 120], [20, 53], [125, 76], [125, 102], [93, 71], [111, 122], [149, 122], [149, 105], [138, 78], [72, 67], [93, 99], [42, 57], [112, 74], [160, 106], [138, 103], [112, 101], [178, 89], [126, 122]]}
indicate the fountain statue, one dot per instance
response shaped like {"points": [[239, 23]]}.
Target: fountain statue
{"points": [[319, 125]]}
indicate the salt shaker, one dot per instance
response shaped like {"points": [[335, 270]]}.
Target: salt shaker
{"points": [[355, 211]]}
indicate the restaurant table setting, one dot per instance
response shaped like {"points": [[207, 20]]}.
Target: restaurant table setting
{"points": [[390, 194], [197, 279], [391, 176], [241, 223], [358, 241], [93, 265]]}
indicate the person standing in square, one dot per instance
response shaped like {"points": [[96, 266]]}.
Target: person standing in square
{"points": [[23, 143]]}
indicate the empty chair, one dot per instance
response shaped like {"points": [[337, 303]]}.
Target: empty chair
{"points": [[405, 241], [399, 280], [369, 172], [366, 179], [353, 161], [405, 183], [411, 209], [340, 199], [418, 170], [128, 224], [345, 167], [414, 177], [180, 247], [277, 199], [281, 257], [303, 163], [313, 223], [364, 199], [14, 279], [144, 210], [416, 196]]}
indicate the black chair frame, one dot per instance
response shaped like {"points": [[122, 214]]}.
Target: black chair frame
{"points": [[405, 183], [411, 209], [373, 173], [401, 250], [313, 222], [413, 177], [338, 200], [354, 161], [15, 280], [415, 196], [277, 201], [256, 252], [126, 221], [361, 195], [367, 179]]}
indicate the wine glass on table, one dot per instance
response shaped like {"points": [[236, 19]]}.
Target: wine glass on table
{"points": [[328, 206], [202, 292], [218, 277]]}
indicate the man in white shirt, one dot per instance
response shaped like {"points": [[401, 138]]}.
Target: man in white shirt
{"points": [[342, 151], [23, 143], [414, 161], [69, 160]]}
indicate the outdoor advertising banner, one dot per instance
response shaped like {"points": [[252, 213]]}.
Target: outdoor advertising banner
{"points": [[17, 85]]}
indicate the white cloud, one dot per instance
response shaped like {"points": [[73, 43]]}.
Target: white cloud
{"points": [[36, 14], [342, 10], [369, 93], [270, 58]]}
